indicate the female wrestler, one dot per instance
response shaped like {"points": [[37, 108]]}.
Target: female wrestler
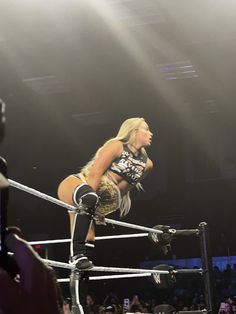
{"points": [[104, 184]]}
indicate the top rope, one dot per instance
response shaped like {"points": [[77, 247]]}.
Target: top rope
{"points": [[51, 199]]}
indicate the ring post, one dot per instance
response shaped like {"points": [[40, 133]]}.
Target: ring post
{"points": [[207, 265], [75, 281]]}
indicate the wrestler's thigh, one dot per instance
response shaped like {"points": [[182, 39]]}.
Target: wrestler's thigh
{"points": [[66, 189]]}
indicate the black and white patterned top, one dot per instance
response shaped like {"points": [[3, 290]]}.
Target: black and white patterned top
{"points": [[128, 166]]}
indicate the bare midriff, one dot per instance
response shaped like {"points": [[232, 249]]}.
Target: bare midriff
{"points": [[123, 185]]}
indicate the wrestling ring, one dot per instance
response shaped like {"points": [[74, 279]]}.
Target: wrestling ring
{"points": [[155, 234]]}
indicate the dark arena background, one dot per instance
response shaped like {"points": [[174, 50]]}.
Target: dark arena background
{"points": [[71, 71]]}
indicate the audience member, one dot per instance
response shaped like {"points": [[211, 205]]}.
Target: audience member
{"points": [[32, 286]]}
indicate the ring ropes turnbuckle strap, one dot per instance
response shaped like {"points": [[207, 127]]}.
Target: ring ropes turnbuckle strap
{"points": [[104, 269], [162, 275], [121, 270], [162, 281], [155, 273], [75, 209]]}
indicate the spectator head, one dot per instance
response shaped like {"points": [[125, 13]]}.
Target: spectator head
{"points": [[109, 309]]}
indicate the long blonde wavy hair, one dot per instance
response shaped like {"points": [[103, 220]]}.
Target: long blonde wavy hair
{"points": [[126, 135]]}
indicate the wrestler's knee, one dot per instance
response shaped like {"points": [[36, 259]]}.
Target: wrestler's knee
{"points": [[86, 198]]}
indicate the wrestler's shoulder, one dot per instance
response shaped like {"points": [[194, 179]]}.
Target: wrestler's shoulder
{"points": [[114, 145]]}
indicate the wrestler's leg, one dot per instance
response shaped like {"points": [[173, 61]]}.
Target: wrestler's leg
{"points": [[79, 283], [78, 245], [82, 244], [80, 224]]}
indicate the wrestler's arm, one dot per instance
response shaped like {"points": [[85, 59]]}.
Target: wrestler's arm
{"points": [[148, 168], [106, 156], [123, 184]]}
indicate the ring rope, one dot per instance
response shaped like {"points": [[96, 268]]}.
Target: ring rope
{"points": [[132, 226], [74, 209], [111, 237], [106, 269], [50, 241], [44, 196], [110, 277], [124, 270]]}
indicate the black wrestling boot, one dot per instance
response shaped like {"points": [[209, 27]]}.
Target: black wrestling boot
{"points": [[86, 200], [81, 262], [79, 257]]}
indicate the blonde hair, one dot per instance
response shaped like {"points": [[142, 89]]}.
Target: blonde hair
{"points": [[126, 135]]}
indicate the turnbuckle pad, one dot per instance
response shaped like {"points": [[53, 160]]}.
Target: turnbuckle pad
{"points": [[164, 281]]}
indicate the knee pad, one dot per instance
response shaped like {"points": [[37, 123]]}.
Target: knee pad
{"points": [[85, 198]]}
